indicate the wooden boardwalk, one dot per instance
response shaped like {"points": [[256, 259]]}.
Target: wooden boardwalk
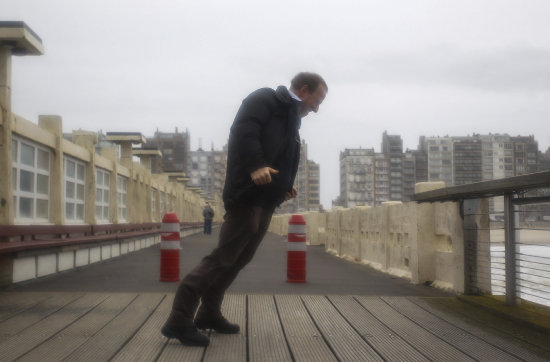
{"points": [[79, 326]]}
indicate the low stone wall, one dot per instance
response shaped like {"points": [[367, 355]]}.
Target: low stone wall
{"points": [[421, 242], [32, 264]]}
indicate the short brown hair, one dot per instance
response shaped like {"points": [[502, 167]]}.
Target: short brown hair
{"points": [[312, 80]]}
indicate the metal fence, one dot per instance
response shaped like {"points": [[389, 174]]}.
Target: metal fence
{"points": [[506, 235]]}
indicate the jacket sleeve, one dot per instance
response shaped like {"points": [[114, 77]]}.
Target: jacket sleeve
{"points": [[251, 119]]}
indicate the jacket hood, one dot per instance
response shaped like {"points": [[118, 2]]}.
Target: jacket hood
{"points": [[282, 94]]}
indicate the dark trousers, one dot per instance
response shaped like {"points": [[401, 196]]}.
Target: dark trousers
{"points": [[207, 226], [243, 229]]}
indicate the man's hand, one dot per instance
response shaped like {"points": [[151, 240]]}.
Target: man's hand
{"points": [[262, 175], [292, 194]]}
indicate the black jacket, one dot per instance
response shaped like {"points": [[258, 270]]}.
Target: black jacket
{"points": [[265, 132]]}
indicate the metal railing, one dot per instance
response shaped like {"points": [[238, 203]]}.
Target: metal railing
{"points": [[506, 235]]}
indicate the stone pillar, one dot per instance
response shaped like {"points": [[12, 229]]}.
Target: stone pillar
{"points": [[477, 247], [88, 140], [110, 154], [126, 154], [54, 125], [423, 248], [6, 177], [147, 162]]}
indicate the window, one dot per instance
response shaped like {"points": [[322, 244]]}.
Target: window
{"points": [[102, 193], [31, 180], [162, 209], [74, 189], [154, 204], [122, 193]]}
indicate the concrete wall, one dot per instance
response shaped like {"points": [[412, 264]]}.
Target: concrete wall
{"points": [[35, 264], [23, 266], [187, 204], [421, 242]]}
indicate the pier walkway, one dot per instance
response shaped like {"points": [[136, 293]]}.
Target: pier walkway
{"points": [[346, 312]]}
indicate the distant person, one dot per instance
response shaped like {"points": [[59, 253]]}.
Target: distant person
{"points": [[208, 214], [262, 160]]}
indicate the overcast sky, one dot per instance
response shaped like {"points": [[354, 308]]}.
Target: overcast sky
{"points": [[412, 68]]}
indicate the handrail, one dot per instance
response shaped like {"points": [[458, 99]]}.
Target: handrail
{"points": [[497, 187], [510, 188]]}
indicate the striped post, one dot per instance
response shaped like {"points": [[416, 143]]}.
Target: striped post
{"points": [[170, 248], [296, 254]]}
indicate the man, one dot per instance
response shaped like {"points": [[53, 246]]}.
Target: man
{"points": [[208, 214], [263, 156]]}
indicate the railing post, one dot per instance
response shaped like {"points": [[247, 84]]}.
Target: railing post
{"points": [[510, 249]]}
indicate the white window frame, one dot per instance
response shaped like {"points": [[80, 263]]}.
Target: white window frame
{"points": [[103, 195], [34, 195], [77, 199], [162, 204], [154, 197], [122, 197]]}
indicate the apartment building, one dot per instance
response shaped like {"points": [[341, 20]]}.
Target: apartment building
{"points": [[392, 149], [307, 183], [370, 178], [174, 148], [357, 177], [207, 170]]}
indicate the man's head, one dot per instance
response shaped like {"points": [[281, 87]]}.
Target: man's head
{"points": [[311, 88]]}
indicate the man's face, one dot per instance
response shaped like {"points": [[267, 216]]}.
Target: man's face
{"points": [[311, 101]]}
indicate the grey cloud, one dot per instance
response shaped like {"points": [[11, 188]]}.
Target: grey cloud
{"points": [[519, 68]]}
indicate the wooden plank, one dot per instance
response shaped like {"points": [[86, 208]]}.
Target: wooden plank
{"points": [[68, 340], [457, 337], [524, 343], [175, 351], [304, 339], [17, 345], [389, 345], [266, 340], [12, 303], [36, 313], [344, 341], [104, 345], [230, 347], [425, 342], [148, 342]]}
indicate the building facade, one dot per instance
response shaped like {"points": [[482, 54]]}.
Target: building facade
{"points": [[307, 183], [175, 149], [370, 178], [207, 170], [357, 177]]}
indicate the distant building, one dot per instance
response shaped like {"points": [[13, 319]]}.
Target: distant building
{"points": [[207, 170], [439, 151], [392, 149], [307, 183], [357, 177], [544, 161], [467, 160], [370, 178], [409, 174], [314, 186], [526, 151], [175, 149]]}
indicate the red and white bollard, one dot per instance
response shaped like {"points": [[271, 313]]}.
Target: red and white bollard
{"points": [[170, 248], [296, 254]]}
